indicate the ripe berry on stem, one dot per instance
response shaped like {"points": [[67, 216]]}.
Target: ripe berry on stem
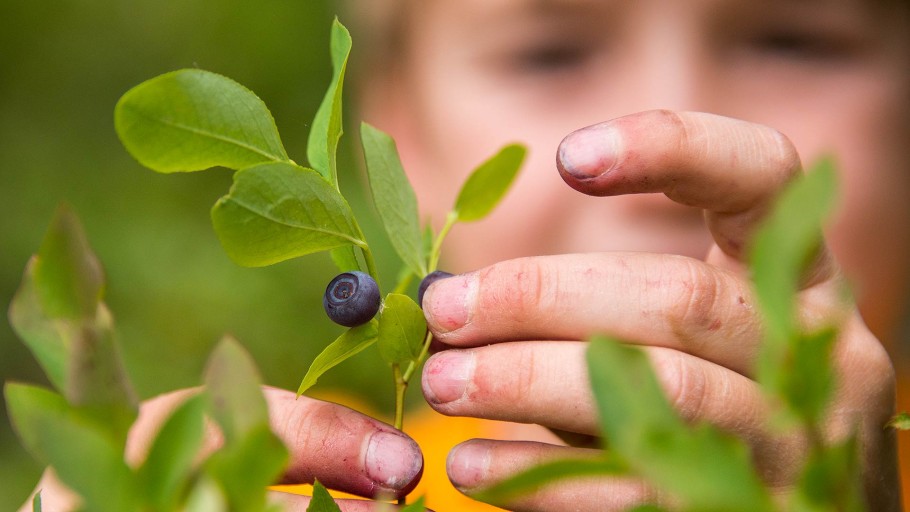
{"points": [[351, 299]]}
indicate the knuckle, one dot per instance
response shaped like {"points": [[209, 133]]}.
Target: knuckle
{"points": [[684, 384], [693, 303], [514, 289]]}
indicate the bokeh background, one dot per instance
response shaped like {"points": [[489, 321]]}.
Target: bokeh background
{"points": [[63, 65]]}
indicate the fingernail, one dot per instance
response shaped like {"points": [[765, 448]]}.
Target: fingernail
{"points": [[449, 303], [590, 152], [468, 465], [446, 375], [392, 460]]}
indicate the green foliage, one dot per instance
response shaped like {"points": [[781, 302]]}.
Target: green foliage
{"points": [[900, 421], [81, 451], [706, 469], [279, 211], [327, 127], [488, 183], [350, 343], [322, 501], [395, 200], [169, 464], [190, 120], [402, 330], [58, 313]]}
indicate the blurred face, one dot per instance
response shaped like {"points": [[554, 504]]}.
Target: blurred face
{"points": [[833, 75]]}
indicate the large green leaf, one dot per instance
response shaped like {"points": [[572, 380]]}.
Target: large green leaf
{"points": [[350, 343], [68, 276], [247, 466], [488, 183], [279, 211], [322, 144], [82, 453], [704, 468], [394, 198], [58, 314], [786, 243], [402, 329], [169, 463], [190, 120], [233, 386], [831, 480], [321, 501]]}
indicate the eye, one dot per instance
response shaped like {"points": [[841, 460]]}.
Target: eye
{"points": [[803, 45], [549, 58]]}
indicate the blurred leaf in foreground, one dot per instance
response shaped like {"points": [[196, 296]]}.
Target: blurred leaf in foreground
{"points": [[58, 314]]}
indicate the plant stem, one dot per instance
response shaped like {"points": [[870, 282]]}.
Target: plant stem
{"points": [[401, 386], [412, 367], [368, 258], [451, 219]]}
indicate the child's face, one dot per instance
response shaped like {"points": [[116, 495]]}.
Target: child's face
{"points": [[833, 75]]}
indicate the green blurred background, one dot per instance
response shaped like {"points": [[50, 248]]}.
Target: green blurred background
{"points": [[63, 65]]}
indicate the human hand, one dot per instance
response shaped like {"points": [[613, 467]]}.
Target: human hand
{"points": [[517, 324], [344, 449]]}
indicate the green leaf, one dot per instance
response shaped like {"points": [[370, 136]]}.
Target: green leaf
{"points": [[417, 506], [488, 183], [247, 466], [279, 211], [36, 502], [786, 243], [901, 421], [58, 314], [394, 198], [80, 451], [322, 144], [322, 501], [705, 469], [831, 480], [345, 258], [233, 386], [549, 472], [190, 120], [350, 343], [784, 246], [68, 276], [165, 472], [205, 496], [402, 328], [62, 286], [806, 376]]}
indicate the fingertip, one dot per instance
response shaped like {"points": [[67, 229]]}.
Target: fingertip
{"points": [[468, 464], [448, 303], [587, 154], [394, 462]]}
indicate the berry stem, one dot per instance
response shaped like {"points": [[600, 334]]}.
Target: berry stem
{"points": [[451, 219], [401, 386], [368, 258], [412, 366]]}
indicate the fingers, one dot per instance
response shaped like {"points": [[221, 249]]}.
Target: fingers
{"points": [[546, 383], [661, 300], [728, 167], [344, 449], [479, 463]]}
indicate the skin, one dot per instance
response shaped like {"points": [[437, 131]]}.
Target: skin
{"points": [[646, 241], [785, 82]]}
